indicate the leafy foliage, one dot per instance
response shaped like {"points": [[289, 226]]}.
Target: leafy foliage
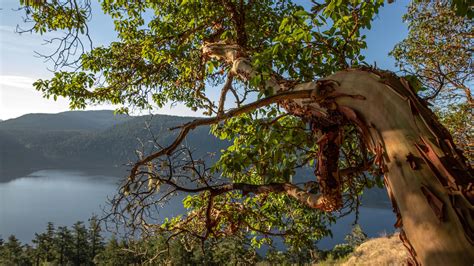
{"points": [[280, 141], [437, 51], [458, 120], [158, 55], [177, 51], [437, 57], [158, 58]]}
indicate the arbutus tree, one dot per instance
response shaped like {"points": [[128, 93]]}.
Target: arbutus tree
{"points": [[438, 52], [294, 91]]}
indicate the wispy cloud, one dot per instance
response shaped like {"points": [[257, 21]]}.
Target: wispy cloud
{"points": [[21, 82]]}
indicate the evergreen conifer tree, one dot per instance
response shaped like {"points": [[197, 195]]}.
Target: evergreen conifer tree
{"points": [[95, 238], [80, 244]]}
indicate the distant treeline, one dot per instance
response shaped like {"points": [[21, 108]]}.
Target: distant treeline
{"points": [[86, 245]]}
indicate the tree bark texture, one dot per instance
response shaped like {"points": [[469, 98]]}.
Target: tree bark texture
{"points": [[427, 179]]}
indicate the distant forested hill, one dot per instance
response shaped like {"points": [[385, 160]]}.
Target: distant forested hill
{"points": [[101, 142], [16, 159], [95, 140], [66, 121]]}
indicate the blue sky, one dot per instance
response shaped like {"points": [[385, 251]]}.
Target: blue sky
{"points": [[20, 67]]}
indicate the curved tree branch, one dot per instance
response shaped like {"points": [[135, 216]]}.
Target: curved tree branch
{"points": [[186, 128]]}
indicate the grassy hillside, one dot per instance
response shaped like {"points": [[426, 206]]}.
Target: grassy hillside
{"points": [[387, 250]]}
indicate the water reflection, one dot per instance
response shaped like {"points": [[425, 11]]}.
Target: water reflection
{"points": [[65, 197]]}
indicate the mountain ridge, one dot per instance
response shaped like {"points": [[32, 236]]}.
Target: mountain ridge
{"points": [[69, 120], [86, 139]]}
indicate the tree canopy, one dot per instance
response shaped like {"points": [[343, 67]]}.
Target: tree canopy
{"points": [[268, 62], [438, 55], [159, 58]]}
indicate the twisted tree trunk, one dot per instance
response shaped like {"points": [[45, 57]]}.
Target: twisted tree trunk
{"points": [[428, 181]]}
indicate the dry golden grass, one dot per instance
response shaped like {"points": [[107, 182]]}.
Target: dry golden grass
{"points": [[379, 251]]}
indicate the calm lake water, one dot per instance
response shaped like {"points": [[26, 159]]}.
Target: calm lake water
{"points": [[64, 197]]}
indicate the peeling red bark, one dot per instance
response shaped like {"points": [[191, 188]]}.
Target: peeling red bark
{"points": [[436, 204], [327, 171], [413, 260], [429, 153], [413, 161], [433, 182]]}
